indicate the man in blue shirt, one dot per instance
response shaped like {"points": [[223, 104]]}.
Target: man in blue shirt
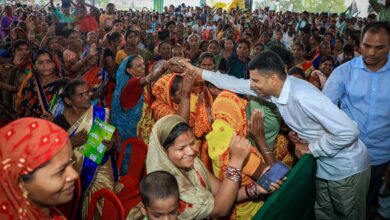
{"points": [[362, 87], [343, 170]]}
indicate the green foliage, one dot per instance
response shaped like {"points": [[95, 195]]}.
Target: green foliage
{"points": [[307, 5]]}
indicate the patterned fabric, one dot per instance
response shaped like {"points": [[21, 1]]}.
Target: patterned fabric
{"points": [[93, 177], [20, 154], [163, 105], [229, 118], [307, 67], [196, 198], [30, 105], [202, 125], [281, 151]]}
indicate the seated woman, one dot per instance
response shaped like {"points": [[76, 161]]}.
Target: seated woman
{"points": [[131, 112], [41, 96], [78, 119], [132, 41], [36, 170], [318, 77], [203, 115], [300, 61], [174, 95], [194, 51], [229, 116], [237, 64], [202, 195]]}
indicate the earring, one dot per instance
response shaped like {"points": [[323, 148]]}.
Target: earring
{"points": [[25, 194]]}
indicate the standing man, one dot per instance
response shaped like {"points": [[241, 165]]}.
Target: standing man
{"points": [[362, 87], [343, 170]]}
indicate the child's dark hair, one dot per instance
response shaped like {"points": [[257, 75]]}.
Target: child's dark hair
{"points": [[297, 71], [158, 185]]}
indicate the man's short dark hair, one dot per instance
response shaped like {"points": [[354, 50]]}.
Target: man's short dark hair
{"points": [[375, 27], [268, 62], [158, 185]]}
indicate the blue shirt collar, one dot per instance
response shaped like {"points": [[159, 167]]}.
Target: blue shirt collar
{"points": [[359, 63]]}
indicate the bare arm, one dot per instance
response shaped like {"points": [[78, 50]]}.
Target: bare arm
{"points": [[184, 107], [225, 193], [256, 129]]}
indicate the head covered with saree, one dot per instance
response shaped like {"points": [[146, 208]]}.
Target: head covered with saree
{"points": [[26, 145], [230, 118], [196, 199]]}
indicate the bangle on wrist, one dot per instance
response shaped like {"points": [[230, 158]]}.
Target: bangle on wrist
{"points": [[251, 191], [233, 174]]}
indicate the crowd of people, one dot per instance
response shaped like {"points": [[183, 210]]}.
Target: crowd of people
{"points": [[218, 97]]}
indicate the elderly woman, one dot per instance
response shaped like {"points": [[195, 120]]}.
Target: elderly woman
{"points": [[131, 112], [36, 170], [78, 119], [202, 195]]}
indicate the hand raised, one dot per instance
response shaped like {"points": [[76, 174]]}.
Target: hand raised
{"points": [[256, 125], [239, 149]]}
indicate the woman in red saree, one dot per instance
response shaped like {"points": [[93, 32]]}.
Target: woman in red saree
{"points": [[36, 170]]}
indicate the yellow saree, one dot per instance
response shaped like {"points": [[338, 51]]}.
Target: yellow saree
{"points": [[229, 118]]}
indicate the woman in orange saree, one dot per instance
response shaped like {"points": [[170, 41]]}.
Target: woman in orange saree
{"points": [[229, 115]]}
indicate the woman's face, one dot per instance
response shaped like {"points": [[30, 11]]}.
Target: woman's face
{"points": [[165, 51], [242, 50], [338, 44], [264, 38], [326, 49], [229, 45], [257, 50], [121, 42], [81, 97], [278, 36], [92, 38], [194, 42], [74, 38], [45, 65], [213, 48], [54, 183], [297, 51], [54, 45], [326, 67], [132, 39], [138, 67], [182, 152], [207, 64]]}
